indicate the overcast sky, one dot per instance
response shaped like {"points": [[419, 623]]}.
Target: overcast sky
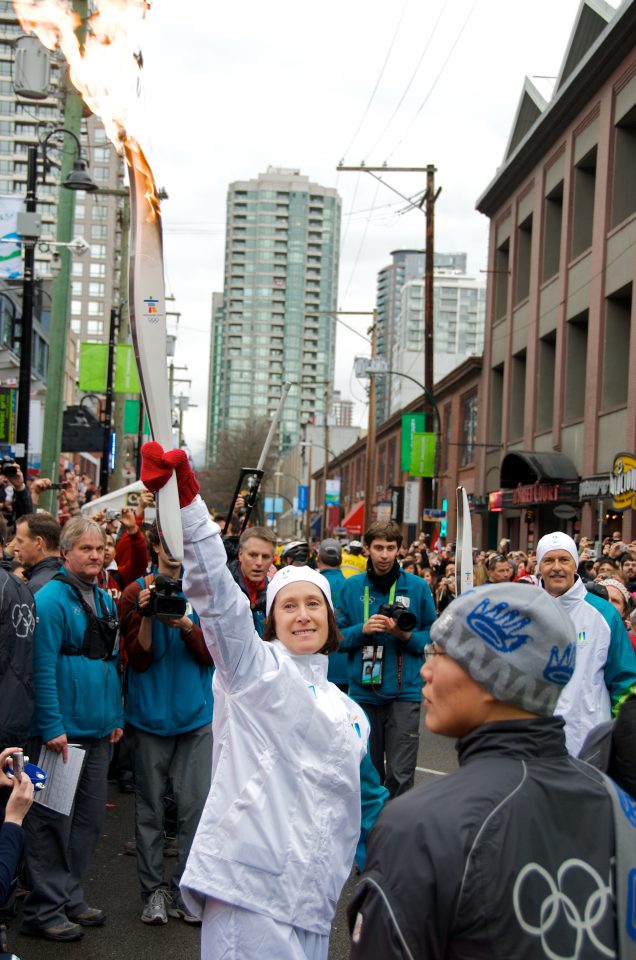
{"points": [[232, 88]]}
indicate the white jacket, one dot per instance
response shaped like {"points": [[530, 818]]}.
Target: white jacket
{"points": [[585, 701], [282, 819]]}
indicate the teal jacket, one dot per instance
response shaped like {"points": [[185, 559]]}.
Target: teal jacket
{"points": [[397, 657], [338, 671], [73, 695], [172, 693]]}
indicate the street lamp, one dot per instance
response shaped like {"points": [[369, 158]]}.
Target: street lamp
{"points": [[29, 226]]}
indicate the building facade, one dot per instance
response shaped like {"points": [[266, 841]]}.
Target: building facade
{"points": [[559, 391], [277, 321], [459, 313]]}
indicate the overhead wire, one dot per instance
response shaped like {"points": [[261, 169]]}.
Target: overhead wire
{"points": [[435, 81], [410, 82], [377, 83]]}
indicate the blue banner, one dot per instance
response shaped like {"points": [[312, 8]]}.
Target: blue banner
{"points": [[303, 497]]}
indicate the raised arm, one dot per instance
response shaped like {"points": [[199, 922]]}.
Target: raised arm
{"points": [[239, 654]]}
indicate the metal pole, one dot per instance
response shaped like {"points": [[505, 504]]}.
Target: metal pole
{"points": [[26, 336], [123, 333], [107, 423], [325, 472], [370, 457], [308, 521], [54, 408], [429, 343]]}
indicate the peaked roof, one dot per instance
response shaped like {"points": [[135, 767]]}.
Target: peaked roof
{"points": [[531, 105], [591, 20]]}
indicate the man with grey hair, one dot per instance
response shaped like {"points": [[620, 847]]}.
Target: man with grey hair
{"points": [[523, 851], [605, 673], [78, 699]]}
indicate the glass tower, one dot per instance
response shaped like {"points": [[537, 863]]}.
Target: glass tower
{"points": [[280, 290]]}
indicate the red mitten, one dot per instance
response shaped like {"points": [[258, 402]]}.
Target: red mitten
{"points": [[157, 467], [186, 481], [155, 472]]}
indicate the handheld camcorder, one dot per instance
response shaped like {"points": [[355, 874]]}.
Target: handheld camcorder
{"points": [[166, 599], [9, 468], [405, 620]]}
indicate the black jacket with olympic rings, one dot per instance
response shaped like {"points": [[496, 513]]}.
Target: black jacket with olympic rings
{"points": [[507, 858]]}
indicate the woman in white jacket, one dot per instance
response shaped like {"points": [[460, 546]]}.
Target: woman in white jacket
{"points": [[277, 837]]}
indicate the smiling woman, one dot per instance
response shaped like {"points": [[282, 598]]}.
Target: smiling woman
{"points": [[288, 802]]}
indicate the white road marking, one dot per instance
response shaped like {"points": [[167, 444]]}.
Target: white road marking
{"points": [[438, 773]]}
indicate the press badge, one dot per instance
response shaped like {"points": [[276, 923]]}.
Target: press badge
{"points": [[372, 665]]}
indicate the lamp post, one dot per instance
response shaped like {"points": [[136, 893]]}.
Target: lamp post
{"points": [[29, 227]]}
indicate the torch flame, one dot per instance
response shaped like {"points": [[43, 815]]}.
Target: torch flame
{"points": [[104, 64]]}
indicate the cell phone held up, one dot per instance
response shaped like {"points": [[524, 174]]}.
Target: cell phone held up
{"points": [[9, 468]]}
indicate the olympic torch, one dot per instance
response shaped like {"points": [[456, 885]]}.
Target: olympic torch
{"points": [[148, 329]]}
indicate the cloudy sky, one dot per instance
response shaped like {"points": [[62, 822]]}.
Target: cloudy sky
{"points": [[232, 88]]}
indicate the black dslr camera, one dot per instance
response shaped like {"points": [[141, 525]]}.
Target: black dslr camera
{"points": [[9, 468], [166, 601], [405, 620]]}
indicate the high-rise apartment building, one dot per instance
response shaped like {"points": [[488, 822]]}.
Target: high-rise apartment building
{"points": [[459, 312], [405, 265], [280, 291]]}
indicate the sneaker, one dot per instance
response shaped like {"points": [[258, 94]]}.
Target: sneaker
{"points": [[63, 931], [179, 911], [88, 917], [154, 910]]}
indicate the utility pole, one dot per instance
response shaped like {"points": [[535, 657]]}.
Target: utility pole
{"points": [[308, 520], [369, 474], [325, 472], [54, 407], [429, 198]]}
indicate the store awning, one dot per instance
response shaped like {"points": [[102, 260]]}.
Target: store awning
{"points": [[527, 467], [352, 522]]}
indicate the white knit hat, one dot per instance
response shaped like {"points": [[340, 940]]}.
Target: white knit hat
{"points": [[556, 541], [296, 575]]}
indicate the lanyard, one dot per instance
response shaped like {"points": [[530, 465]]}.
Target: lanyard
{"points": [[366, 599]]}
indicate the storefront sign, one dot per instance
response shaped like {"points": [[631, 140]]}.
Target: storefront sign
{"points": [[622, 481], [535, 493], [594, 487]]}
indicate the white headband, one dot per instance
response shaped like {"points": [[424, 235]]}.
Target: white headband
{"points": [[296, 575], [556, 541]]}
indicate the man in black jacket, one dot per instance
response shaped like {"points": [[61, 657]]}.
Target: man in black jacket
{"points": [[37, 547], [511, 856]]}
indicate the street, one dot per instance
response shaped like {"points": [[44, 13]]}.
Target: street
{"points": [[113, 887]]}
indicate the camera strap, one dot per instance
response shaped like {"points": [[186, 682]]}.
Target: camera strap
{"points": [[100, 636], [367, 603]]}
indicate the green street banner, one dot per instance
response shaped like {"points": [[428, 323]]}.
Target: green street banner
{"points": [[93, 367], [131, 418], [7, 415], [126, 376], [422, 455], [411, 423]]}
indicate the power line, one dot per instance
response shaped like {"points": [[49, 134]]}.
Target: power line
{"points": [[434, 84], [412, 78], [377, 83]]}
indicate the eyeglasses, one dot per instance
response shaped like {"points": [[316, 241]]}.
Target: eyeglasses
{"points": [[431, 651]]}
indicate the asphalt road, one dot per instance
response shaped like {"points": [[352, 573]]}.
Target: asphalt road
{"points": [[113, 887]]}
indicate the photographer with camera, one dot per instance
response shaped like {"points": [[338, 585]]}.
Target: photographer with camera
{"points": [[168, 712], [385, 615], [14, 493]]}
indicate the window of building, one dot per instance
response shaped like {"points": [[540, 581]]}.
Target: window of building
{"points": [[552, 223], [76, 307], [95, 308], [502, 273], [77, 270], [517, 395], [583, 203], [80, 211], [524, 248], [76, 288], [99, 231], [97, 270], [469, 429], [94, 328], [98, 250], [575, 368], [496, 404], [624, 183], [76, 326], [618, 312], [545, 386], [96, 289]]}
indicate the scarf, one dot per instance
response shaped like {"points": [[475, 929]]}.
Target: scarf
{"points": [[383, 581]]}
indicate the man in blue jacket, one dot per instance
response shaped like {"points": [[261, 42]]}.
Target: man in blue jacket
{"points": [[78, 700], [168, 725], [385, 650]]}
